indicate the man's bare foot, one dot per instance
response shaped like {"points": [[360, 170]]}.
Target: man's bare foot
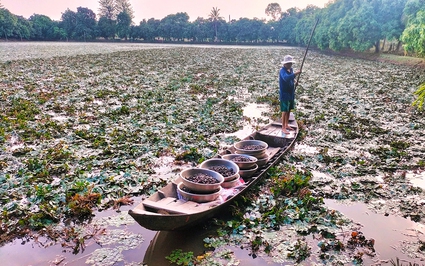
{"points": [[285, 131]]}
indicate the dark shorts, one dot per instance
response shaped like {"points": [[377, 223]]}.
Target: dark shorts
{"points": [[287, 106]]}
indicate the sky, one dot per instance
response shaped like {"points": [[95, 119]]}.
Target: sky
{"points": [[158, 9]]}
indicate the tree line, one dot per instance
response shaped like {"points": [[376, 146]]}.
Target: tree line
{"points": [[358, 25]]}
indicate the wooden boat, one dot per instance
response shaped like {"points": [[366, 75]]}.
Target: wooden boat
{"points": [[165, 210]]}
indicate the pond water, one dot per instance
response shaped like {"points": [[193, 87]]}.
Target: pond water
{"points": [[255, 113], [416, 178], [392, 234], [391, 240], [150, 247], [127, 243]]}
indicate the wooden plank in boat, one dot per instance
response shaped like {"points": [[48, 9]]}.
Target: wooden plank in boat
{"points": [[271, 130], [194, 207], [279, 121], [277, 132], [267, 131], [162, 193], [173, 205], [170, 191], [272, 151]]}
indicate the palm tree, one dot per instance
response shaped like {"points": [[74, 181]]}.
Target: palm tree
{"points": [[215, 17]]}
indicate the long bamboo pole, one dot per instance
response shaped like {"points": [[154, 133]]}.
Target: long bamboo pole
{"points": [[305, 54]]}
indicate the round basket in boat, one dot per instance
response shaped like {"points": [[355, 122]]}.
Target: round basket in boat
{"points": [[231, 183], [251, 147], [262, 161], [246, 173], [188, 194], [244, 161], [226, 168], [201, 180]]}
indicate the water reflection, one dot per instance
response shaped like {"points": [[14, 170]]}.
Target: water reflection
{"points": [[46, 252], [255, 113], [303, 148], [164, 243], [392, 234], [152, 248], [416, 178]]}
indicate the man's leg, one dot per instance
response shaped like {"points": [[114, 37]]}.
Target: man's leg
{"points": [[291, 107], [285, 120]]}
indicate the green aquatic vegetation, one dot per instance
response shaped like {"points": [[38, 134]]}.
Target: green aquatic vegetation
{"points": [[82, 205], [287, 203], [181, 258], [299, 251], [385, 153], [190, 155], [288, 181], [22, 109], [117, 113], [324, 156], [59, 153], [197, 89], [319, 117], [399, 144]]}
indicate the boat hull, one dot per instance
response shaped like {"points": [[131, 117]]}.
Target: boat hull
{"points": [[165, 211]]}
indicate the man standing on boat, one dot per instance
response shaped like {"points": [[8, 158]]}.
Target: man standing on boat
{"points": [[287, 90]]}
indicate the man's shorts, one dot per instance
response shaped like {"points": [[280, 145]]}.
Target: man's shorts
{"points": [[287, 106]]}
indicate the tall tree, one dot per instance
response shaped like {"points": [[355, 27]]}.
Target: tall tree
{"points": [[287, 24], [174, 26], [200, 29], [414, 34], [68, 22], [59, 33], [85, 24], [124, 6], [308, 17], [151, 28], [123, 25], [215, 17], [23, 28], [8, 23], [107, 9], [274, 10], [390, 14], [327, 31], [42, 27], [107, 18], [106, 27]]}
